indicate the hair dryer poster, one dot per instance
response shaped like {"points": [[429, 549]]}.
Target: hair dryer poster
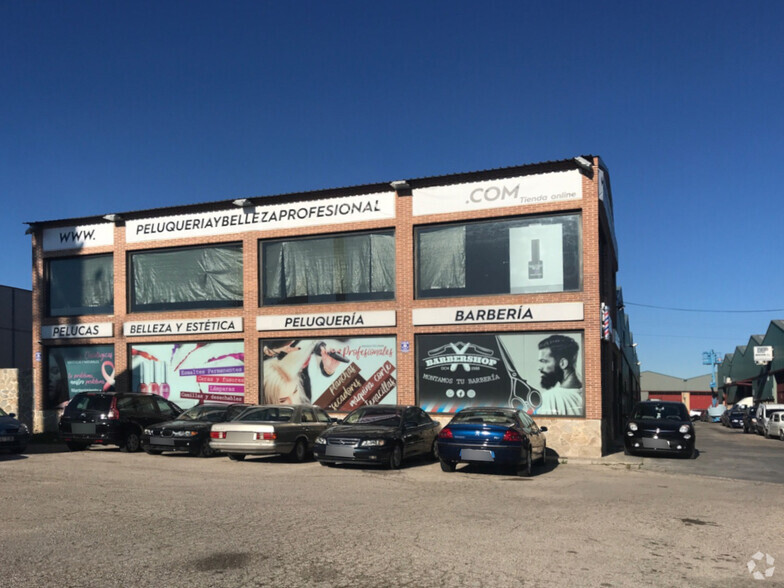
{"points": [[335, 374], [538, 373], [190, 373]]}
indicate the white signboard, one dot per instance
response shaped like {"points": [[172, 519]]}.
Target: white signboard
{"points": [[519, 191], [523, 313], [264, 218], [330, 320], [78, 237], [80, 331], [231, 324], [763, 354]]}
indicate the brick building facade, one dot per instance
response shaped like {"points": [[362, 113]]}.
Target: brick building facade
{"points": [[377, 293]]}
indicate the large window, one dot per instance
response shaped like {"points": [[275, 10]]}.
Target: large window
{"points": [[521, 255], [186, 278], [77, 368], [81, 285], [328, 269]]}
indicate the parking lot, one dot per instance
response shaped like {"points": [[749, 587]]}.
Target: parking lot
{"points": [[104, 518]]}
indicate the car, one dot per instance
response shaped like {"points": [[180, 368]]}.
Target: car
{"points": [[190, 431], [271, 429], [724, 419], [499, 436], [660, 427], [776, 425], [379, 434], [734, 418], [14, 435], [750, 420], [695, 414], [112, 418], [764, 411]]}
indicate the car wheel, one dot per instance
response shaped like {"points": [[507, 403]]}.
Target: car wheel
{"points": [[153, 451], [434, 451], [781, 434], [526, 468], [447, 466], [204, 450], [544, 456], [131, 443], [300, 451], [74, 446], [236, 456], [395, 458]]}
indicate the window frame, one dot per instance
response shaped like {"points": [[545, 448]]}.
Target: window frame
{"points": [[48, 280]]}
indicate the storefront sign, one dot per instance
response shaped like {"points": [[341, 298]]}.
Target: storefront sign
{"points": [[523, 313], [80, 331], [264, 218], [78, 237], [763, 354], [519, 191], [232, 324], [330, 320]]}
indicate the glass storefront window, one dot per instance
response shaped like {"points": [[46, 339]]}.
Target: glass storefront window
{"points": [[328, 269], [186, 278], [539, 373], [514, 256], [80, 285], [77, 368]]}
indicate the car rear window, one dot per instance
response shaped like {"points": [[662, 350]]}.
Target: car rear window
{"points": [[489, 418], [81, 403]]}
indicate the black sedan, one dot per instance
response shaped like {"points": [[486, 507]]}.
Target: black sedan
{"points": [[190, 431], [660, 427], [381, 434], [735, 417], [14, 435], [501, 436]]}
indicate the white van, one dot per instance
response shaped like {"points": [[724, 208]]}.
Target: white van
{"points": [[763, 416]]}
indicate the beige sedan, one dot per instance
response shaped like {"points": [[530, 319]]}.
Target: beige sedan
{"points": [[271, 429]]}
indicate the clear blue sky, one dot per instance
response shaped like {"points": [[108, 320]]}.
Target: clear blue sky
{"points": [[110, 106]]}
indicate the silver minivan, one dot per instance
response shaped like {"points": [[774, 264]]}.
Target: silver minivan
{"points": [[764, 411]]}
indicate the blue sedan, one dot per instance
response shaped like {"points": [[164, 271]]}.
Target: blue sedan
{"points": [[501, 436]]}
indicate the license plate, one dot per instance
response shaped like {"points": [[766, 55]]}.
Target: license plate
{"points": [[3, 439], [340, 451], [477, 455], [655, 444], [162, 441], [83, 428]]}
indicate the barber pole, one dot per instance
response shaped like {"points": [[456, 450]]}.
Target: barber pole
{"points": [[606, 323]]}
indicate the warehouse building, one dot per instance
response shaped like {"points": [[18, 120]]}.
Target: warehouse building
{"points": [[492, 287]]}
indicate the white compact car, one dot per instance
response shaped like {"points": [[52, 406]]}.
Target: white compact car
{"points": [[775, 427]]}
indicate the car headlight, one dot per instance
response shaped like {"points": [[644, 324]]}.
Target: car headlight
{"points": [[632, 426], [320, 441], [148, 431], [23, 429], [373, 442], [684, 429], [184, 433]]}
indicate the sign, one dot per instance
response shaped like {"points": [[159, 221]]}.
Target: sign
{"points": [[523, 313], [405, 346], [78, 237], [763, 354], [38, 356], [326, 320], [232, 324], [71, 369], [332, 211], [517, 191], [77, 331]]}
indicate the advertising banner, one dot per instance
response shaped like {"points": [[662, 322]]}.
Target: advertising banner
{"points": [[335, 374], [540, 373], [78, 237], [75, 369], [190, 373]]}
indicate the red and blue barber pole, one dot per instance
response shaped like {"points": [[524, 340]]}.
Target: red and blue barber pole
{"points": [[606, 323]]}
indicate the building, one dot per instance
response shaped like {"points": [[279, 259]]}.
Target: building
{"points": [[490, 287], [756, 369], [695, 393], [16, 362]]}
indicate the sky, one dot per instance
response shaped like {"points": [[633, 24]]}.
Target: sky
{"points": [[109, 106]]}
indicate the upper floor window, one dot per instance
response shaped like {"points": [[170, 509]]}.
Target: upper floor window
{"points": [[186, 278], [359, 266], [520, 255], [80, 285]]}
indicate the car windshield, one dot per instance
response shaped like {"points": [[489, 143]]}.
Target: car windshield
{"points": [[267, 414], [672, 412], [488, 418], [384, 418], [212, 414]]}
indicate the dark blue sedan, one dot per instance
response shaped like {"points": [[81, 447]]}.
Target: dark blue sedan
{"points": [[14, 435], [501, 436]]}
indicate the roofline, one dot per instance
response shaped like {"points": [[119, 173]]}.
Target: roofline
{"points": [[423, 182]]}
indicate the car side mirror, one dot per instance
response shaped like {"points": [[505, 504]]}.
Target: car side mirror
{"points": [[12, 414], [543, 429]]}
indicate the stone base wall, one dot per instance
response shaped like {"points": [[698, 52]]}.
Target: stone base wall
{"points": [[567, 437], [16, 393]]}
